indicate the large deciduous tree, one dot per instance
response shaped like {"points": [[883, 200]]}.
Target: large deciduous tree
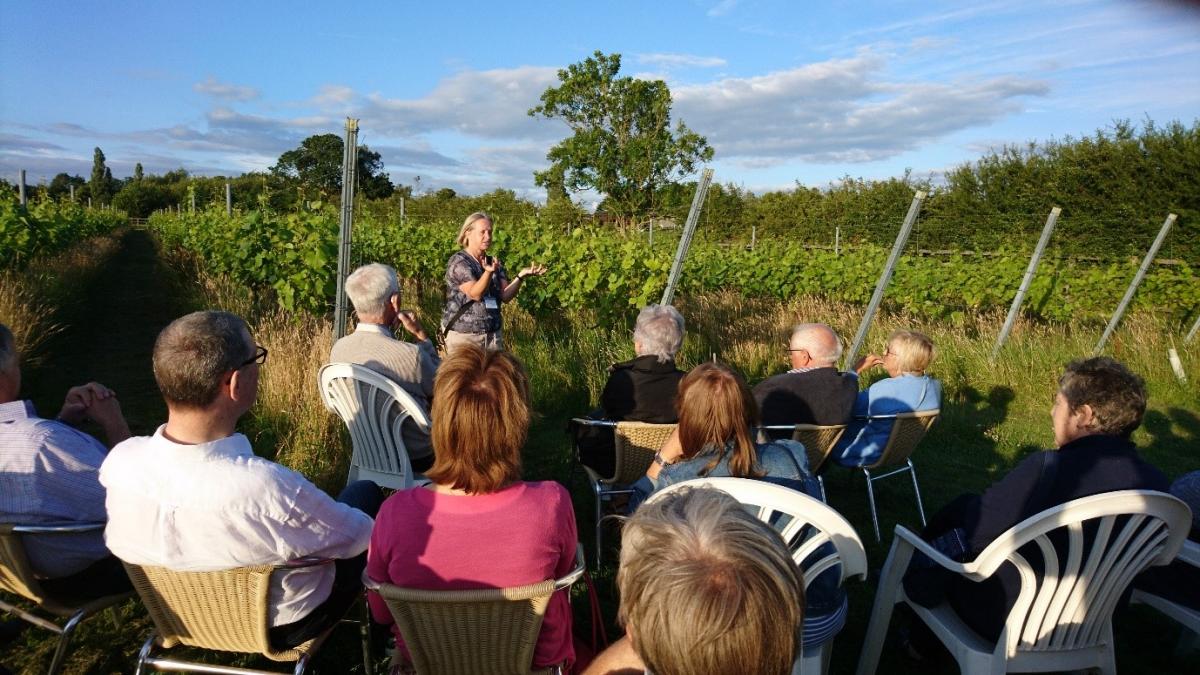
{"points": [[317, 165], [622, 143], [101, 183]]}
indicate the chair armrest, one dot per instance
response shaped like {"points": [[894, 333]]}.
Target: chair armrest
{"points": [[58, 528], [575, 573], [776, 427], [369, 583], [912, 539], [589, 422], [1190, 553], [307, 561]]}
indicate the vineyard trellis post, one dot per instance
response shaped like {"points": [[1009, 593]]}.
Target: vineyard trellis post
{"points": [[402, 210], [1191, 335], [228, 199], [650, 243], [21, 182], [753, 236], [1026, 280], [837, 240], [1137, 280], [349, 163], [685, 241], [72, 193], [884, 278]]}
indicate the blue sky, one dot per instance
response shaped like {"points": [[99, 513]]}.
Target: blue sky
{"points": [[784, 91]]}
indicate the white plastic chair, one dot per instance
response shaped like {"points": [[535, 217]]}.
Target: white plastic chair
{"points": [[806, 525], [374, 409], [1062, 619], [1190, 618]]}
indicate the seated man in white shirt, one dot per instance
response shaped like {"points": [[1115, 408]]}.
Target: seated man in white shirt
{"points": [[375, 293], [49, 474], [194, 497]]}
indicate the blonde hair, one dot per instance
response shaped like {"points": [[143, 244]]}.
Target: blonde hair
{"points": [[708, 588], [914, 350], [469, 224], [480, 417], [716, 408]]}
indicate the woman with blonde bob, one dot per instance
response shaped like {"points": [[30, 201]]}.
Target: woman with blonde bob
{"points": [[714, 438], [906, 389], [478, 525], [476, 284], [705, 588]]}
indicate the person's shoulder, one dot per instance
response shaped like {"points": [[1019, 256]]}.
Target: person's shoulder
{"points": [[622, 365]]}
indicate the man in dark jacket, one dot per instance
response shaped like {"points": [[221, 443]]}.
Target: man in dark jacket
{"points": [[1098, 406], [640, 390], [813, 391]]}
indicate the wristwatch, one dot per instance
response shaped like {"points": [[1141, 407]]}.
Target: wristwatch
{"points": [[660, 461]]}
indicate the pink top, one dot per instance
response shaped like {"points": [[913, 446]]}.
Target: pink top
{"points": [[520, 535]]}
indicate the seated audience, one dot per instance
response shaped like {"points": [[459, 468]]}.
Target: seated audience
{"points": [[194, 497], [49, 474], [478, 525], [1179, 581], [813, 391], [640, 390], [375, 293], [906, 389], [705, 588], [1098, 405], [716, 412]]}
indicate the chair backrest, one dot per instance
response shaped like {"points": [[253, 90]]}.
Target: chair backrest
{"points": [[1103, 542], [907, 431], [818, 440], [635, 444], [225, 610], [806, 524], [16, 574], [374, 409]]}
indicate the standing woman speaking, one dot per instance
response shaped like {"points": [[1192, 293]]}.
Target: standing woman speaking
{"points": [[476, 284]]}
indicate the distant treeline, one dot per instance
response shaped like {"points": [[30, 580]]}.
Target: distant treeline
{"points": [[1115, 188]]}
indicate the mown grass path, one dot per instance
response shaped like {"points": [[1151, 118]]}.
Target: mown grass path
{"points": [[110, 324]]}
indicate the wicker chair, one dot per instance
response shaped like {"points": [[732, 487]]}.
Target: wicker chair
{"points": [[225, 610], [374, 409], [16, 576], [635, 444], [1062, 618], [818, 441], [474, 632], [908, 429]]}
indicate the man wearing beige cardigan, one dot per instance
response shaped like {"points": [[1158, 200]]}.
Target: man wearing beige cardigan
{"points": [[375, 293]]}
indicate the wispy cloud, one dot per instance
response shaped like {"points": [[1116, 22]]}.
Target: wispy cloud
{"points": [[722, 8], [210, 86], [669, 60]]}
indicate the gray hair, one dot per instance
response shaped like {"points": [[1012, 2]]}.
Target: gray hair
{"points": [[8, 350], [822, 343], [659, 329], [469, 224], [192, 354], [370, 287]]}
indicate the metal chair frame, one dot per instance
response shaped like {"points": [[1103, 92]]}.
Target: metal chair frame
{"points": [[632, 461], [16, 576], [896, 451]]}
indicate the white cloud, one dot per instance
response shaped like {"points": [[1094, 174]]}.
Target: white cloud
{"points": [[669, 60], [722, 8], [840, 111], [224, 90], [333, 95]]}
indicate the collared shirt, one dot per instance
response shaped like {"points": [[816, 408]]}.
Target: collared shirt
{"points": [[48, 474], [375, 328], [214, 506]]}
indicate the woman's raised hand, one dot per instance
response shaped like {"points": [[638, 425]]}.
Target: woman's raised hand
{"points": [[533, 271]]}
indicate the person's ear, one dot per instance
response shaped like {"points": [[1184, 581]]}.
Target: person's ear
{"points": [[237, 386], [1086, 415]]}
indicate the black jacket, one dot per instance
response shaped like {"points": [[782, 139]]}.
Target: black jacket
{"points": [[820, 396], [642, 390]]}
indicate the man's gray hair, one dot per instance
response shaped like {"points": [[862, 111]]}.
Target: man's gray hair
{"points": [[195, 351], [659, 330], [822, 343], [370, 287], [8, 350]]}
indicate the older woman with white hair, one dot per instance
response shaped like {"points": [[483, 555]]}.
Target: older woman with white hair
{"points": [[642, 389], [476, 284]]}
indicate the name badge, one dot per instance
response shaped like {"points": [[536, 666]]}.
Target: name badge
{"points": [[489, 302]]}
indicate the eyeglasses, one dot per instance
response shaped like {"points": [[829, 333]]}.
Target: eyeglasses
{"points": [[260, 356]]}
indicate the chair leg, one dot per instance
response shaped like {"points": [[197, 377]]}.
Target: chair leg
{"points": [[301, 665], [871, 500], [886, 597], [912, 470], [821, 482], [64, 640], [365, 635], [599, 530], [144, 654]]}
